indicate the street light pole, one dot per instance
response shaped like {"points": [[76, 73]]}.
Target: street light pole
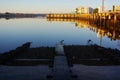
{"points": [[102, 5]]}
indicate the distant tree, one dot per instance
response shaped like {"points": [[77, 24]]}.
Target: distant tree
{"points": [[109, 10], [7, 13], [95, 10]]}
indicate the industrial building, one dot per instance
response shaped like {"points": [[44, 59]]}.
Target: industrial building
{"points": [[84, 10]]}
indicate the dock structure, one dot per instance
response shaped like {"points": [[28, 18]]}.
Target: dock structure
{"points": [[58, 15], [89, 17]]}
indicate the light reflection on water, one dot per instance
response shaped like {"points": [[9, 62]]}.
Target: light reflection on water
{"points": [[15, 32]]}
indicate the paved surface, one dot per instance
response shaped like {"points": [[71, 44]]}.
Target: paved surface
{"points": [[61, 68], [24, 72], [40, 72], [96, 72], [60, 71]]}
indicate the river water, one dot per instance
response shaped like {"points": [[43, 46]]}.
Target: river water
{"points": [[43, 32]]}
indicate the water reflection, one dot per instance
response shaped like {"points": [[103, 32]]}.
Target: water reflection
{"points": [[103, 28], [14, 32]]}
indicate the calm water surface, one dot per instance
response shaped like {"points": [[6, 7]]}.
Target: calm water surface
{"points": [[15, 32]]}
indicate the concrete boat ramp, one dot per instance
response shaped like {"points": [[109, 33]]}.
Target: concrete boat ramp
{"points": [[61, 70]]}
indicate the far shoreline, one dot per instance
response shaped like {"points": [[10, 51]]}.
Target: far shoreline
{"points": [[8, 15]]}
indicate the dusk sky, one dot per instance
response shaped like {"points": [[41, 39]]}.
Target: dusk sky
{"points": [[51, 6]]}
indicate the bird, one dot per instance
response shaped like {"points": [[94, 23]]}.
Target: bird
{"points": [[89, 42], [61, 42]]}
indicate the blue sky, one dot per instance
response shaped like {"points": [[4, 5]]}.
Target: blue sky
{"points": [[51, 6]]}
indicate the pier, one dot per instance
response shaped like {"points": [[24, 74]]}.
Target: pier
{"points": [[114, 16], [65, 15]]}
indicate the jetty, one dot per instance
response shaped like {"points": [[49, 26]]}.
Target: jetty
{"points": [[114, 16]]}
